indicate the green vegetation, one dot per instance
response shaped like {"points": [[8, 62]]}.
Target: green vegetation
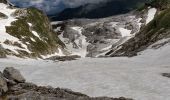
{"points": [[157, 29], [48, 41]]}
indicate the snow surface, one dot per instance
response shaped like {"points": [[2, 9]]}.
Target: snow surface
{"points": [[35, 34], [5, 36], [125, 32], [151, 14], [138, 77]]}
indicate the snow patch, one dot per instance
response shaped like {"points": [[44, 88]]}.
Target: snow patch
{"points": [[35, 34], [125, 32], [30, 24], [32, 39], [151, 14]]}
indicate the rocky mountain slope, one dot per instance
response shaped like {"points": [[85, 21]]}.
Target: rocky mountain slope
{"points": [[26, 32], [156, 30], [121, 35], [95, 37]]}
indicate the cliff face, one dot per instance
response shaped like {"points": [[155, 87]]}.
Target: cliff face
{"points": [[26, 32]]}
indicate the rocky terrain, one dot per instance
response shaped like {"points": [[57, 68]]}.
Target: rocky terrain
{"points": [[143, 33], [121, 35], [156, 30], [13, 86], [26, 32], [95, 37]]}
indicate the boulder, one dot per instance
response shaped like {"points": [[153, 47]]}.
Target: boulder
{"points": [[13, 74], [3, 84]]}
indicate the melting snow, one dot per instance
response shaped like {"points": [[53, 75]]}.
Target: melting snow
{"points": [[5, 36], [35, 34], [125, 32], [30, 24], [138, 77], [151, 15]]}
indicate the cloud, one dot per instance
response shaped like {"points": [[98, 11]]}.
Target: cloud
{"points": [[54, 5]]}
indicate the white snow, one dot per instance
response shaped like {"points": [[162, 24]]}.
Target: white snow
{"points": [[151, 14], [107, 48], [5, 36], [32, 39], [6, 22], [30, 24], [138, 77], [35, 34], [125, 32], [114, 24], [80, 41]]}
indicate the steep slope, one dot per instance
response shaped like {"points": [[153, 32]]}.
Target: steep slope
{"points": [[94, 37], [157, 29], [26, 32]]}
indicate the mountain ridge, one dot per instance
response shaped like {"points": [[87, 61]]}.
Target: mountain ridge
{"points": [[112, 7], [26, 32]]}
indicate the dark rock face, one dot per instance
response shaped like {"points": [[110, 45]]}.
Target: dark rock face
{"points": [[30, 91], [3, 16], [3, 84], [4, 1], [2, 52], [166, 75], [13, 74], [64, 58]]}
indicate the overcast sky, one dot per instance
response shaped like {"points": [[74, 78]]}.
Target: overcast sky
{"points": [[53, 5]]}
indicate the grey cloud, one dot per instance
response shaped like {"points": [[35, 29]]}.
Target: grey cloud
{"points": [[51, 5]]}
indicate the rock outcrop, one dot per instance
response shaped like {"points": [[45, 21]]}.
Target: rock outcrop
{"points": [[97, 36], [158, 29], [13, 74], [26, 32], [4, 1], [30, 91]]}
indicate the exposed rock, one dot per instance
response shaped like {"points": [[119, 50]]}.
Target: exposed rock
{"points": [[64, 58], [13, 74], [157, 30], [3, 84], [24, 24], [166, 75], [2, 52], [30, 91], [4, 1], [3, 16], [100, 34]]}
